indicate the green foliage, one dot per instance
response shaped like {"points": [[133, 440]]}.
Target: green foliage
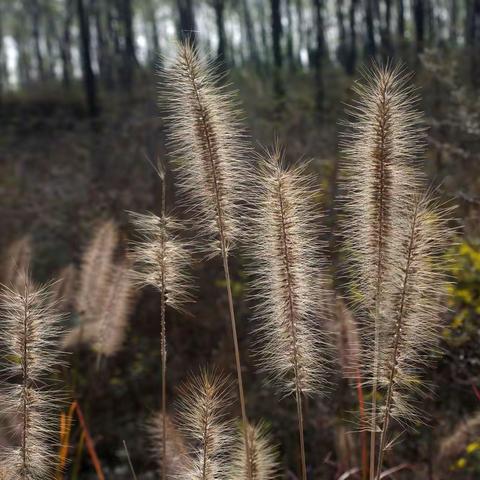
{"points": [[465, 295]]}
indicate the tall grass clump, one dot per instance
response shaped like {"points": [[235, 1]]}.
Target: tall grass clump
{"points": [[206, 140], [393, 236], [288, 282], [29, 327], [162, 260]]}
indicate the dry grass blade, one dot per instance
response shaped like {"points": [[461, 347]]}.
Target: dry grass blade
{"points": [[30, 328]]}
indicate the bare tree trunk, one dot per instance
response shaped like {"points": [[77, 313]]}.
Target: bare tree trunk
{"points": [[290, 54], [370, 47], [186, 24], [473, 40], [419, 19], [35, 13], [401, 19], [452, 32], [352, 51], [301, 26], [277, 48], [129, 58], [219, 7], [153, 33], [342, 33], [319, 53], [66, 44], [88, 76], [250, 35]]}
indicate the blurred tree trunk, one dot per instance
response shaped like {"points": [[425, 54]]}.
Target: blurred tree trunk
{"points": [[88, 76], [129, 58], [24, 65], [50, 40], [292, 62], [301, 25], [342, 33], [352, 50], [277, 47], [65, 44], [151, 21], [473, 40], [250, 35], [3, 62], [104, 61], [33, 7], [370, 49], [219, 7], [386, 30], [401, 20], [186, 20], [419, 19], [452, 30], [263, 18], [319, 52]]}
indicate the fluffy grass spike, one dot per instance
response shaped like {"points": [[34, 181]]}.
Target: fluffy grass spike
{"points": [[264, 463], [288, 282], [206, 140], [203, 400], [412, 328], [380, 152], [29, 327], [96, 270]]}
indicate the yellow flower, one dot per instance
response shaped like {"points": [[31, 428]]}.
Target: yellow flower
{"points": [[472, 447], [461, 462]]}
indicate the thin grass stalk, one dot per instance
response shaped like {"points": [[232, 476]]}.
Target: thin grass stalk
{"points": [[163, 340]]}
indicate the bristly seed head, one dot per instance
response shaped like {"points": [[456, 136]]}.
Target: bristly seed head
{"points": [[206, 142]]}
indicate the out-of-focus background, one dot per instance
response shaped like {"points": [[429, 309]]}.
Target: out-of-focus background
{"points": [[80, 127]]}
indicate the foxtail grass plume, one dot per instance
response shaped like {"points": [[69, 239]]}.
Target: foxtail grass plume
{"points": [[29, 330], [96, 270], [206, 141], [412, 325], [288, 283], [201, 417], [380, 149], [287, 275], [161, 258], [176, 451], [264, 456], [108, 330]]}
